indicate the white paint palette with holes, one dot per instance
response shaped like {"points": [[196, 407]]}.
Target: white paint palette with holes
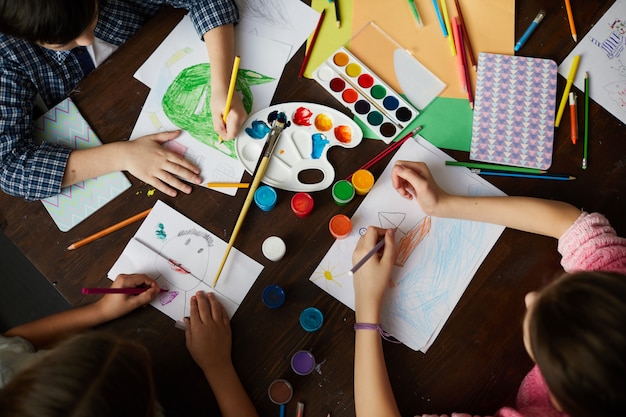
{"points": [[311, 130]]}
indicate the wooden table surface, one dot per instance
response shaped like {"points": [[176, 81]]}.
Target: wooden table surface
{"points": [[478, 360]]}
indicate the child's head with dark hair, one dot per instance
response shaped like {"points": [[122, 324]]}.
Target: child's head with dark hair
{"points": [[94, 374], [46, 21], [576, 335]]}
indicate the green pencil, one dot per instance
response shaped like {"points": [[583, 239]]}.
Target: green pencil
{"points": [[586, 140], [416, 13], [477, 165]]}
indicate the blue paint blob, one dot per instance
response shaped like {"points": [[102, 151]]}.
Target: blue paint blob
{"points": [[258, 130], [319, 143], [280, 116]]}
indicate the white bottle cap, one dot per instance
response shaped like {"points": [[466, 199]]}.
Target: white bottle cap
{"points": [[274, 248]]}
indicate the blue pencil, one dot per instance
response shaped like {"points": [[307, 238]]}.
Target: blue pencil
{"points": [[524, 175], [530, 30], [440, 17]]}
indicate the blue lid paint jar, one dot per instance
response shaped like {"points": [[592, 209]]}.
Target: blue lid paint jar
{"points": [[273, 296], [311, 319], [265, 197]]}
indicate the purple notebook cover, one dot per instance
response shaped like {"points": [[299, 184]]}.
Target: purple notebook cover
{"points": [[514, 111]]}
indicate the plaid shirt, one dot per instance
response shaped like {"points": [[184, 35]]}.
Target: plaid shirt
{"points": [[36, 171]]}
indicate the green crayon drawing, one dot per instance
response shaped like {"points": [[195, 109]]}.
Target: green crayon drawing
{"points": [[187, 102]]}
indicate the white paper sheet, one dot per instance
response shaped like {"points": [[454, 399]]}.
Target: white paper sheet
{"points": [[166, 239], [436, 260], [602, 55]]}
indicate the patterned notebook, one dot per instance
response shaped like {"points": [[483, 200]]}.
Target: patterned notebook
{"points": [[64, 125], [514, 111]]}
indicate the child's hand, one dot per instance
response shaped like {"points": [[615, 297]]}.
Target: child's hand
{"points": [[208, 336], [236, 116], [372, 279], [154, 164], [112, 306], [414, 180]]}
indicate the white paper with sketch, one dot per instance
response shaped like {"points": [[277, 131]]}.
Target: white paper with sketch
{"points": [[436, 258], [287, 21], [179, 75], [184, 257], [603, 55]]}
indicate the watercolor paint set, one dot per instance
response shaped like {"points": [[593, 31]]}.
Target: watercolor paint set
{"points": [[368, 97], [311, 130]]}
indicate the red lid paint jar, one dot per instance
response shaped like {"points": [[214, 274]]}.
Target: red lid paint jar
{"points": [[302, 204], [340, 226], [343, 192]]}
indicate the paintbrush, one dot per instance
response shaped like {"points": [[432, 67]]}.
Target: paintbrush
{"points": [[268, 150]]}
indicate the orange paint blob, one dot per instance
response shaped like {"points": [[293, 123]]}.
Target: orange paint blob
{"points": [[343, 133]]}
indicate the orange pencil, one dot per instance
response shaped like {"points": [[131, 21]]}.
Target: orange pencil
{"points": [[570, 18], [468, 45], [109, 230]]}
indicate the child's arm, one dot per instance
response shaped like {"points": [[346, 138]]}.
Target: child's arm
{"points": [[208, 338], [373, 395], [545, 217], [47, 330], [145, 158], [220, 43]]}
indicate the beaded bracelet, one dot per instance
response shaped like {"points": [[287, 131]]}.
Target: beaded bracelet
{"points": [[370, 326]]}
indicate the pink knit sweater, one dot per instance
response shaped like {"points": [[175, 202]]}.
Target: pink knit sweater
{"points": [[590, 244]]}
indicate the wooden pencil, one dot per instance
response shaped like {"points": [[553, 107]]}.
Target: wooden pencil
{"points": [[109, 230]]}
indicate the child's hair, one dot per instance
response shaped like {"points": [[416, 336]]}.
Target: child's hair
{"points": [[49, 21], [91, 375], [578, 340]]}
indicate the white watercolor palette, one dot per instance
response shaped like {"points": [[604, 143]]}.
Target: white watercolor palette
{"points": [[311, 130]]}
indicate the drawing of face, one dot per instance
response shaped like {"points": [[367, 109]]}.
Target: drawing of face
{"points": [[618, 27], [184, 259]]}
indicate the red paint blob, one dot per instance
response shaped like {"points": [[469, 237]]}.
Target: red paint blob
{"points": [[366, 80], [350, 96], [337, 85], [302, 116]]}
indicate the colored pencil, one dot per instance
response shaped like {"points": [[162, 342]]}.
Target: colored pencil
{"points": [[568, 86], [367, 256], [530, 30], [395, 145], [337, 15], [570, 18], [468, 45], [270, 144], [468, 79], [586, 134], [524, 175], [231, 89], [311, 44], [227, 184], [457, 32], [446, 19], [440, 18], [108, 230], [573, 117], [110, 290], [478, 165], [416, 13]]}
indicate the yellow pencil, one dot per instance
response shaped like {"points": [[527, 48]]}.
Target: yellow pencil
{"points": [[227, 184], [446, 19], [568, 86], [109, 230], [231, 89]]}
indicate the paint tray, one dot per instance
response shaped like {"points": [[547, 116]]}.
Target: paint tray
{"points": [[369, 77]]}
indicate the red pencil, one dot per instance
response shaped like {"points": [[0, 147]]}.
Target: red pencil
{"points": [[468, 80], [468, 45], [388, 150], [137, 290], [308, 51]]}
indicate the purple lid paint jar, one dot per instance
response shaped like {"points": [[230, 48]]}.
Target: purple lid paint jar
{"points": [[302, 362]]}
